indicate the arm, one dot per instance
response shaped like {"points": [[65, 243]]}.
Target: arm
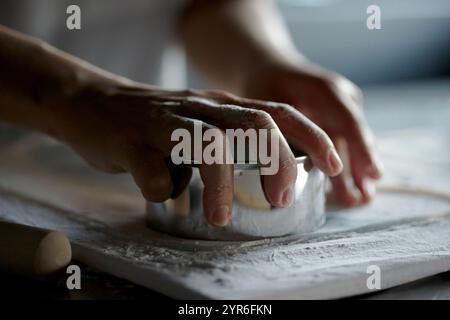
{"points": [[243, 46], [229, 39], [118, 125], [36, 79]]}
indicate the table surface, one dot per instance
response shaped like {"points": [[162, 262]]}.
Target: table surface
{"points": [[100, 286], [417, 104]]}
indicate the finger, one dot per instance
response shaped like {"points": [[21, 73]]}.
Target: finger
{"points": [[361, 145], [299, 131], [180, 175], [345, 183], [365, 185], [217, 177], [303, 134], [167, 130], [343, 189], [217, 192], [150, 173], [365, 166], [278, 183], [308, 164]]}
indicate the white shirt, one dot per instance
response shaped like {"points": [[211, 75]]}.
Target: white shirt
{"points": [[132, 38]]}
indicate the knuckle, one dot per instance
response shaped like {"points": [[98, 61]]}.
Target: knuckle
{"points": [[217, 93], [281, 110], [257, 118]]}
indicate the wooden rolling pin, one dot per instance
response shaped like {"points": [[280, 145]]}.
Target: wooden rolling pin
{"points": [[31, 251]]}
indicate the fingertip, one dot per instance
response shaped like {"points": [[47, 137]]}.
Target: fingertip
{"points": [[308, 165], [279, 186], [375, 170], [220, 216], [155, 191], [351, 199], [279, 195], [350, 203], [345, 192], [287, 197], [368, 190], [155, 186], [217, 193], [348, 199], [334, 162]]}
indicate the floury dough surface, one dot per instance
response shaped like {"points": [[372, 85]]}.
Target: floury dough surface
{"points": [[184, 217], [248, 191], [404, 231]]}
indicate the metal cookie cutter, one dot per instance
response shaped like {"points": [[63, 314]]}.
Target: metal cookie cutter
{"points": [[252, 216]]}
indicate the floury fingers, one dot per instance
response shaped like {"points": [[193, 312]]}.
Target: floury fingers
{"points": [[253, 215], [234, 146]]}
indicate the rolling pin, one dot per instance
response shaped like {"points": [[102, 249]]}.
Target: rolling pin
{"points": [[31, 251]]}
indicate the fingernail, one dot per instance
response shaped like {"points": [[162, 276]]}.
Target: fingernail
{"points": [[376, 169], [334, 161], [221, 216], [308, 165], [287, 197], [357, 196], [369, 189]]}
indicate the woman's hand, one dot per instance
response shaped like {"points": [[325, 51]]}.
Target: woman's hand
{"points": [[335, 105], [128, 128], [119, 125], [255, 57]]}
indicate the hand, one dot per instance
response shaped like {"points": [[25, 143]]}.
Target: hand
{"points": [[128, 127], [335, 105]]}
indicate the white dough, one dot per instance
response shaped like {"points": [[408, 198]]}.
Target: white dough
{"points": [[248, 190]]}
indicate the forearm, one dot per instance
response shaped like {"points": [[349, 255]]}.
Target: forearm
{"points": [[228, 39], [37, 80]]}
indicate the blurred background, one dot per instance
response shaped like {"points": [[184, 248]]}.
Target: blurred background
{"points": [[414, 40], [137, 39]]}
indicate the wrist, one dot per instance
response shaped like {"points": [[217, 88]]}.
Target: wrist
{"points": [[271, 64]]}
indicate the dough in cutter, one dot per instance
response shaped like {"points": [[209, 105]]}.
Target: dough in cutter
{"points": [[248, 190]]}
